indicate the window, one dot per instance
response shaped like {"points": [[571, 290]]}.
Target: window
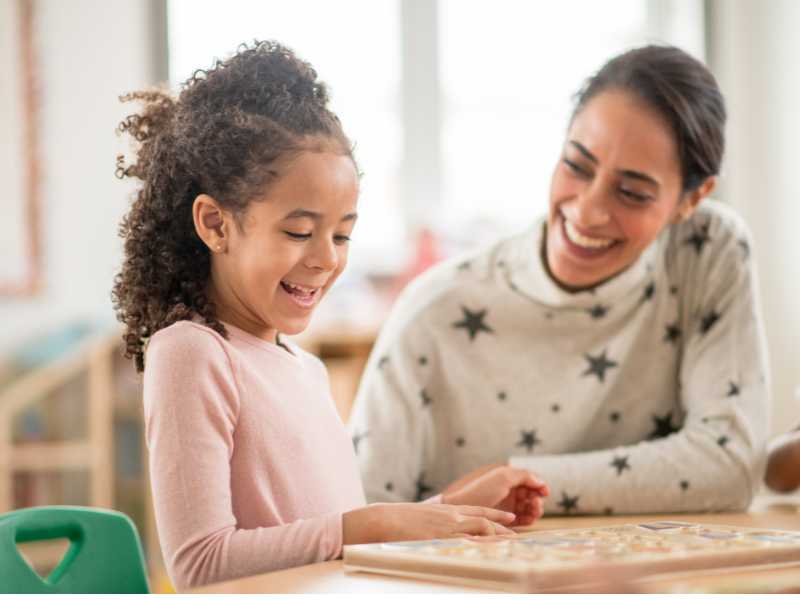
{"points": [[463, 137]]}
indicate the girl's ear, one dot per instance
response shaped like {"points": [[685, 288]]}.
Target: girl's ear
{"points": [[210, 223], [691, 200]]}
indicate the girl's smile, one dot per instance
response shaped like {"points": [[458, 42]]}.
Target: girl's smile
{"points": [[304, 296]]}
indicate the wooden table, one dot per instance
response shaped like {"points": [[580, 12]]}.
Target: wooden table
{"points": [[773, 512]]}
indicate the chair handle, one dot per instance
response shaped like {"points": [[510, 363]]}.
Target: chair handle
{"points": [[31, 529]]}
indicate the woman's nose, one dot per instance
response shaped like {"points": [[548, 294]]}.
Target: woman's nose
{"points": [[591, 207]]}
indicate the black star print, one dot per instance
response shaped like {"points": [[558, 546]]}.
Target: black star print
{"points": [[664, 426], [422, 488], [555, 408], [672, 333], [733, 389], [722, 440], [614, 416], [673, 289], [608, 511], [389, 486], [684, 485], [473, 322], [426, 399], [598, 311], [548, 315], [501, 263], [423, 360], [501, 396], [648, 292], [383, 361], [460, 442], [357, 438], [528, 439], [699, 238], [708, 321], [464, 266], [598, 365], [568, 503], [620, 463], [745, 246]]}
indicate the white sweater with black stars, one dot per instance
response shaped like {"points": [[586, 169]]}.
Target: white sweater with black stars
{"points": [[647, 394]]}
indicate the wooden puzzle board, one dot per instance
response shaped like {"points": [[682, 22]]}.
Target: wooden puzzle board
{"points": [[549, 560]]}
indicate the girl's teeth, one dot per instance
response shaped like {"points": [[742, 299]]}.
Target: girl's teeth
{"points": [[581, 240], [300, 289]]}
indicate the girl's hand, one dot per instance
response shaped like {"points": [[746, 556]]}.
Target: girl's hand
{"points": [[398, 521], [502, 487]]}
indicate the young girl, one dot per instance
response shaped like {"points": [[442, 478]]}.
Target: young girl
{"points": [[241, 226]]}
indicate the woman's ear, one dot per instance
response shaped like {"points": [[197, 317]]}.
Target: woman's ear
{"points": [[691, 200], [210, 223]]}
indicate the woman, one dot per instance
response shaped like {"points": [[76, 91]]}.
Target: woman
{"points": [[615, 349]]}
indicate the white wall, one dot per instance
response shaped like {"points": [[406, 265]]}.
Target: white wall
{"points": [[89, 52], [754, 50]]}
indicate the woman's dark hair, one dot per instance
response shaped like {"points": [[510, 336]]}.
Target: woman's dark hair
{"points": [[226, 135], [683, 91]]}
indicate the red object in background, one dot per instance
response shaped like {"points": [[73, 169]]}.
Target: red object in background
{"points": [[426, 255]]}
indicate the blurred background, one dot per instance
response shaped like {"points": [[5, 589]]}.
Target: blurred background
{"points": [[457, 109]]}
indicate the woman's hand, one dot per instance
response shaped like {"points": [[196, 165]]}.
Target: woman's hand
{"points": [[502, 487], [783, 466], [398, 521]]}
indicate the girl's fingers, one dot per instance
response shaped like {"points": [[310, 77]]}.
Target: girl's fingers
{"points": [[499, 516], [482, 526]]}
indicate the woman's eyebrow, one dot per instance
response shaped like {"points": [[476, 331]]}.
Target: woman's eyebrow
{"points": [[624, 172], [638, 175], [583, 150]]}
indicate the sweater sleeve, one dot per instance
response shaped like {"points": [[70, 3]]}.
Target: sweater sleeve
{"points": [[715, 461], [191, 404]]}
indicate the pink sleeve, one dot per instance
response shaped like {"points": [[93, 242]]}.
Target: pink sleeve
{"points": [[191, 405]]}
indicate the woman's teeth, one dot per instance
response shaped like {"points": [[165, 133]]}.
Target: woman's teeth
{"points": [[585, 242]]}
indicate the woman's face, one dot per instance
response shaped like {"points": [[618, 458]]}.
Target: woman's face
{"points": [[617, 185]]}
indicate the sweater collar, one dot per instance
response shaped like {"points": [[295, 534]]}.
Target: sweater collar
{"points": [[529, 276]]}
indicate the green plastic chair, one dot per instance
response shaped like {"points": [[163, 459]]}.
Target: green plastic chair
{"points": [[104, 554]]}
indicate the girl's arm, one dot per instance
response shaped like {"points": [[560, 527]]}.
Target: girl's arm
{"points": [[191, 412], [191, 406]]}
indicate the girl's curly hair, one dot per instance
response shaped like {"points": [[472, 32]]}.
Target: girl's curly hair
{"points": [[224, 136]]}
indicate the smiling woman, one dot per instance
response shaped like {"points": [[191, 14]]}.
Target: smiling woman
{"points": [[615, 349]]}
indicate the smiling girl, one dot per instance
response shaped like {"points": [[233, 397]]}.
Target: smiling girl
{"points": [[241, 226], [615, 349]]}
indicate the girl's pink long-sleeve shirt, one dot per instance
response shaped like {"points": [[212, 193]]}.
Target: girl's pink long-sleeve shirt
{"points": [[251, 467]]}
